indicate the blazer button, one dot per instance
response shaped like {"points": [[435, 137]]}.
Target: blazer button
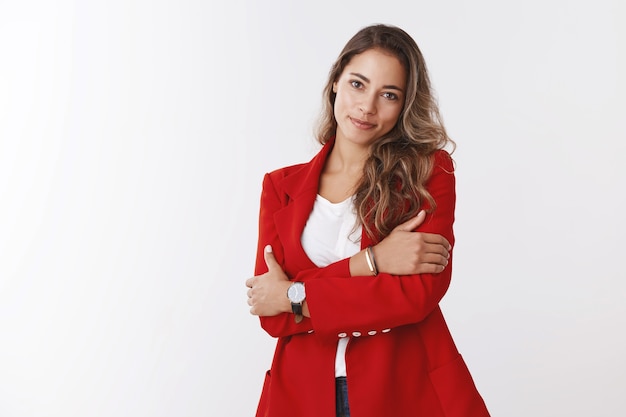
{"points": [[342, 335], [372, 332], [356, 334], [386, 330]]}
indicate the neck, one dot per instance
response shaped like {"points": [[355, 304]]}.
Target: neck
{"points": [[342, 172], [347, 158]]}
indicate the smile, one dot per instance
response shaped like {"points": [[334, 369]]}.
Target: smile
{"points": [[360, 124]]}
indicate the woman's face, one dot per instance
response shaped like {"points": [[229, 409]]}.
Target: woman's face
{"points": [[370, 95]]}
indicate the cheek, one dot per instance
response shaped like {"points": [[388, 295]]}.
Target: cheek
{"points": [[392, 116], [340, 105], [346, 98]]}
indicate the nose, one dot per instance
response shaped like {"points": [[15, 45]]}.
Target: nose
{"points": [[368, 104]]}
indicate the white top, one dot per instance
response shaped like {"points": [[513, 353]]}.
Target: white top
{"points": [[329, 237]]}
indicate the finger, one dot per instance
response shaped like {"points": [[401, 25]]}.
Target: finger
{"points": [[435, 259], [270, 260], [436, 239], [250, 282], [436, 248], [432, 268], [412, 224]]}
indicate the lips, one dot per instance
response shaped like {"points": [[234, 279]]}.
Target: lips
{"points": [[361, 124]]}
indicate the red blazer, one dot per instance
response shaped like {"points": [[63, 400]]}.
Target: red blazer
{"points": [[401, 359]]}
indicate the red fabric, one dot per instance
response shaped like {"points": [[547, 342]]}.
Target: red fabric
{"points": [[401, 359]]}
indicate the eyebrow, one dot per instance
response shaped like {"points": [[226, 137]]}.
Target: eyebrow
{"points": [[367, 80]]}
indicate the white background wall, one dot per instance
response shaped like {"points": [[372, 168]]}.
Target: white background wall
{"points": [[133, 139]]}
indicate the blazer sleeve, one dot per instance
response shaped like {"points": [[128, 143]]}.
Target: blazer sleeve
{"points": [[362, 304], [271, 201]]}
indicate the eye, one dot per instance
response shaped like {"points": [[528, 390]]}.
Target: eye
{"points": [[356, 84], [390, 96]]}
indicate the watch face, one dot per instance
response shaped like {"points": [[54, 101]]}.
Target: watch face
{"points": [[296, 292]]}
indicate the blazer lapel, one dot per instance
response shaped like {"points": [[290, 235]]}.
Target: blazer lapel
{"points": [[301, 188]]}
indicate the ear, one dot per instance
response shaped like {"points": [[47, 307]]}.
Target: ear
{"points": [[335, 87]]}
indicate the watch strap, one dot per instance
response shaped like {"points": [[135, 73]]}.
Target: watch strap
{"points": [[296, 308], [297, 312]]}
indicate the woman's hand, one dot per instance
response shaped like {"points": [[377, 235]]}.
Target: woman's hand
{"points": [[267, 294], [406, 252]]}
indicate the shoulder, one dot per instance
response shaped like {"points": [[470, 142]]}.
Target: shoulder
{"points": [[297, 178], [443, 160], [283, 179], [285, 171], [442, 171]]}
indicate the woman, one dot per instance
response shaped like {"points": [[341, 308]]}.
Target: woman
{"points": [[354, 250]]}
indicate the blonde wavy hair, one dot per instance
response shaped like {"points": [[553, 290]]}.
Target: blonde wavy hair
{"points": [[392, 188]]}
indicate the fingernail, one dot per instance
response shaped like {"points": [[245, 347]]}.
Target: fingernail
{"points": [[268, 249]]}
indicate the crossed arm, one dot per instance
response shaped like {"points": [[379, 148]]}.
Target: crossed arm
{"points": [[403, 252], [414, 264]]}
